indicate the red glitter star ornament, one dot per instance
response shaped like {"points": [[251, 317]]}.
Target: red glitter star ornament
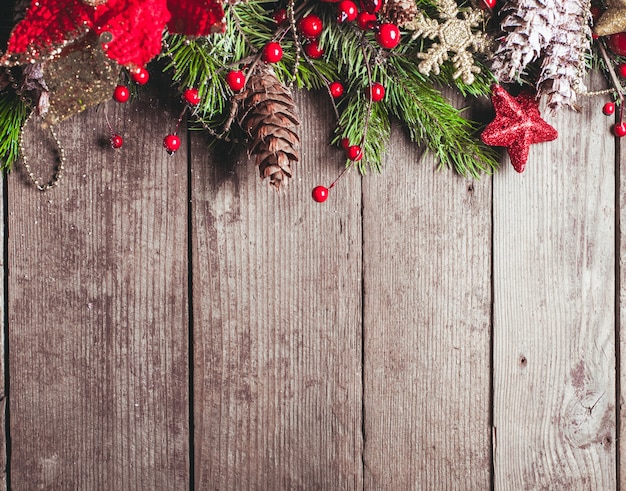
{"points": [[517, 125]]}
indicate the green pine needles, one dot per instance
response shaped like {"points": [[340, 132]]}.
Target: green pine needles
{"points": [[351, 56], [354, 58], [13, 114]]}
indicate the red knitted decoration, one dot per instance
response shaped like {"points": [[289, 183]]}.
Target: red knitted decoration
{"points": [[195, 17], [48, 26], [135, 27]]}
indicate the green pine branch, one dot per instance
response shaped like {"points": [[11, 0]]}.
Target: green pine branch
{"points": [[371, 131], [352, 57], [433, 121], [13, 114]]}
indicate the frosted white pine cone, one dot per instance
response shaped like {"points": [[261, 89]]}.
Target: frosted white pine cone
{"points": [[563, 65], [528, 28]]}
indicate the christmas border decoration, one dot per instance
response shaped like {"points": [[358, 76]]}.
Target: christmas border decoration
{"points": [[236, 65]]}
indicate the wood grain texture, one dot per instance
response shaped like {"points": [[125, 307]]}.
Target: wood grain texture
{"points": [[554, 311], [621, 337], [3, 386], [98, 309], [426, 325], [277, 320]]}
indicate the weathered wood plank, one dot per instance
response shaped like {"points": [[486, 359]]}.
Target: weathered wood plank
{"points": [[3, 386], [554, 311], [426, 325], [277, 321], [98, 310], [621, 338]]}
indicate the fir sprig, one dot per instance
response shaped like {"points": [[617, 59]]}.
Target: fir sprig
{"points": [[370, 132], [351, 56], [13, 114], [433, 121]]}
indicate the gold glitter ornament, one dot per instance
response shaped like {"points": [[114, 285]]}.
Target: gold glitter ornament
{"points": [[455, 35], [94, 3], [80, 77], [613, 20]]}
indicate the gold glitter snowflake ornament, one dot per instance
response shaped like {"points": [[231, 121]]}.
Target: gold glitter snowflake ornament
{"points": [[455, 36]]}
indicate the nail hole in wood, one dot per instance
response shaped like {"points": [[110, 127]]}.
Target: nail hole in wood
{"points": [[523, 361]]}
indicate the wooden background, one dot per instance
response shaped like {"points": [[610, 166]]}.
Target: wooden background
{"points": [[172, 323]]}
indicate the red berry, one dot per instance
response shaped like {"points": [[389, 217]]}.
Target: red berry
{"points": [[487, 4], [354, 152], [116, 141], [121, 93], [388, 35], [140, 76], [347, 11], [280, 16], [371, 6], [236, 80], [621, 68], [345, 143], [191, 97], [336, 89], [608, 108], [617, 43], [272, 53], [313, 49], [310, 26], [620, 129], [171, 143], [366, 21], [377, 92], [320, 193]]}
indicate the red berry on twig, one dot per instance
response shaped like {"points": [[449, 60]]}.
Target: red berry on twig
{"points": [[377, 92], [272, 53], [366, 21], [140, 76], [320, 194], [116, 141], [620, 129], [121, 93], [171, 143], [236, 80], [347, 11], [313, 49], [336, 89], [310, 26], [354, 152], [388, 35], [191, 97], [608, 108]]}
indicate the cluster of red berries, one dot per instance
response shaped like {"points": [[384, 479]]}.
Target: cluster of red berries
{"points": [[617, 44], [619, 129], [171, 142], [366, 16], [121, 94], [310, 27]]}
